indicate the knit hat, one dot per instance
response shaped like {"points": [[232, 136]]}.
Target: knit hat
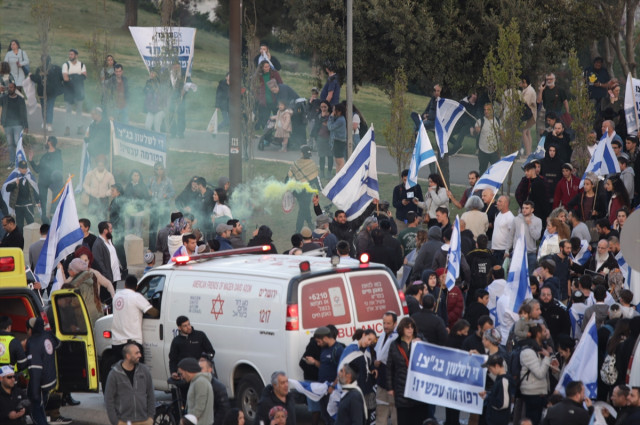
{"points": [[322, 219], [435, 233], [78, 265], [441, 271], [321, 332], [493, 336], [149, 257], [189, 364], [305, 232]]}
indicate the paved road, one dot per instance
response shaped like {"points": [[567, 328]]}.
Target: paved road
{"points": [[202, 142]]}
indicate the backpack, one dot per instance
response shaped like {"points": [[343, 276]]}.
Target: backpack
{"points": [[320, 240], [515, 367], [608, 371], [362, 130], [525, 114]]}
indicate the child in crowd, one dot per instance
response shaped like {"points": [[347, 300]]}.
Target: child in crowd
{"points": [[150, 261], [522, 326], [283, 124]]}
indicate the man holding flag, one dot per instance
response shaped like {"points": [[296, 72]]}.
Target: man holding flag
{"points": [[63, 236], [604, 160], [22, 192]]}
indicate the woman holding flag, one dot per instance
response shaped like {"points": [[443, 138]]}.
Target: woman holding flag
{"points": [[435, 197]]}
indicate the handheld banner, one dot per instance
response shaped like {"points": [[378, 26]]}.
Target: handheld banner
{"points": [[137, 144]]}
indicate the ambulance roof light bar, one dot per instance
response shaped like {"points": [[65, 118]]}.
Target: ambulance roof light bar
{"points": [[184, 259]]}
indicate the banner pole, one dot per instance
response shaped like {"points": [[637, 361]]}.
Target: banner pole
{"points": [[442, 175], [490, 202]]}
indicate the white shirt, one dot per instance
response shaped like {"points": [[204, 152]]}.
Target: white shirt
{"points": [[221, 210], [502, 231], [128, 308], [591, 300], [75, 68], [488, 142]]}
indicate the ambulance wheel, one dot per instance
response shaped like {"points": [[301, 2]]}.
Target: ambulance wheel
{"points": [[249, 389], [108, 359]]}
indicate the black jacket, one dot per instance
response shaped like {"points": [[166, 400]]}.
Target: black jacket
{"points": [[473, 312], [557, 318], [41, 347], [397, 368], [13, 239], [431, 327], [351, 409], [54, 81], [192, 345], [480, 263], [9, 403], [221, 404], [567, 412], [49, 163], [268, 400], [347, 231]]}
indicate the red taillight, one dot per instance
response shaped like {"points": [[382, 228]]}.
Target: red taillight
{"points": [[266, 247], [84, 373], [403, 301], [364, 258], [181, 259], [293, 323], [7, 264], [93, 371], [305, 266], [106, 334]]}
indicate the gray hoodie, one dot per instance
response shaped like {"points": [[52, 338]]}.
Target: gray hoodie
{"points": [[200, 398], [125, 402]]}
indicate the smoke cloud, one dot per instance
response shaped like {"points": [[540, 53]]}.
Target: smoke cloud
{"points": [[262, 194]]}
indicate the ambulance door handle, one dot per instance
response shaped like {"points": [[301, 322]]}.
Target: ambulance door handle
{"points": [[160, 328]]}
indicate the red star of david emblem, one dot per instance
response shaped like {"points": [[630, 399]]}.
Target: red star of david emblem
{"points": [[216, 309]]}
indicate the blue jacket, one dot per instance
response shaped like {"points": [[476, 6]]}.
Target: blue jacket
{"points": [[41, 351], [337, 128]]}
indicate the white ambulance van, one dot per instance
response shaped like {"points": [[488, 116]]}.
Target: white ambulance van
{"points": [[259, 311]]}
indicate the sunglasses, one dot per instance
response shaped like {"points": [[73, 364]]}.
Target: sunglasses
{"points": [[10, 377]]}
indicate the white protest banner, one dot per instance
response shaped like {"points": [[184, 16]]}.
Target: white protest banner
{"points": [[631, 102], [446, 377], [137, 144], [160, 46]]}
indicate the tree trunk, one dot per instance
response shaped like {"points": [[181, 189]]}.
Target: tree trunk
{"points": [[130, 13]]}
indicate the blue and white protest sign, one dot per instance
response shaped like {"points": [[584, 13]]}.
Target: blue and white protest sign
{"points": [[139, 145], [631, 102], [161, 46], [446, 377]]}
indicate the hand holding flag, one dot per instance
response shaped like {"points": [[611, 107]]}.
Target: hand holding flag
{"points": [[448, 112], [423, 154]]}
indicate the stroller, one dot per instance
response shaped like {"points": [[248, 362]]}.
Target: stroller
{"points": [[298, 135]]}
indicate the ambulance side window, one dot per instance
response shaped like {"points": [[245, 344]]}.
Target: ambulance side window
{"points": [[151, 288], [69, 317]]}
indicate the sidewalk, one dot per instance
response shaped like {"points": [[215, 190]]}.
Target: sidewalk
{"points": [[199, 141]]}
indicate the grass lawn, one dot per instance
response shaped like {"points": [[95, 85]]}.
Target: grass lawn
{"points": [[74, 23]]}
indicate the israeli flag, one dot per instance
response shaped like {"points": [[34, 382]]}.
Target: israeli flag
{"points": [[632, 96], [21, 155], [583, 255], [453, 259], [583, 365], [603, 161], [312, 390], [631, 277], [423, 154], [356, 185], [85, 166], [63, 236], [518, 289], [448, 112], [537, 154], [495, 174]]}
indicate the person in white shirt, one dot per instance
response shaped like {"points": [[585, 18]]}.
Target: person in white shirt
{"points": [[128, 309], [74, 73], [502, 239], [528, 96], [486, 130]]}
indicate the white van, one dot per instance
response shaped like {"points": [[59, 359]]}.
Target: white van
{"points": [[259, 311]]}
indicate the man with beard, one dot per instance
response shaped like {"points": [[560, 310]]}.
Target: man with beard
{"points": [[105, 257], [602, 262], [562, 261], [554, 313], [343, 229], [620, 403]]}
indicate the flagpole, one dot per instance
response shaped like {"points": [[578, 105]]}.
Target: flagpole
{"points": [[491, 202], [62, 190], [442, 175]]}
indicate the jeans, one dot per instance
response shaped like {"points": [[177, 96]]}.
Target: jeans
{"points": [[532, 260], [304, 213], [51, 101], [13, 136], [69, 108], [37, 409], [533, 405], [24, 214], [154, 121]]}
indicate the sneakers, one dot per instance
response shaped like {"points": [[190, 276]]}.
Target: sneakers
{"points": [[67, 131], [49, 128], [60, 420]]}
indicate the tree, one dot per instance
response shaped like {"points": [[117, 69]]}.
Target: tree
{"points": [[130, 14], [618, 24], [397, 131], [501, 76], [582, 112], [272, 14]]}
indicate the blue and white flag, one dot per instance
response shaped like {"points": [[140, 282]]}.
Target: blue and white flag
{"points": [[448, 112], [85, 166], [312, 390], [603, 161], [453, 259], [538, 154], [153, 43], [21, 155], [356, 185], [495, 175], [583, 255], [631, 100], [423, 154], [63, 236], [583, 365], [631, 277], [518, 289]]}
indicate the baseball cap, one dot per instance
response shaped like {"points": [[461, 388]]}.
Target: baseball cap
{"points": [[189, 364], [221, 228], [22, 164], [306, 151], [6, 371]]}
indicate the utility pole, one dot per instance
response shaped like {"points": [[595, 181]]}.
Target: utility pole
{"points": [[235, 83], [349, 116]]}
